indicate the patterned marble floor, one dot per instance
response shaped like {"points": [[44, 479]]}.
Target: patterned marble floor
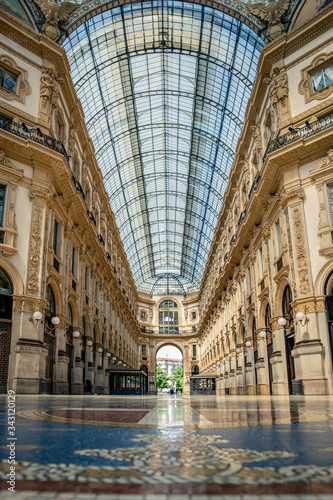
{"points": [[156, 448]]}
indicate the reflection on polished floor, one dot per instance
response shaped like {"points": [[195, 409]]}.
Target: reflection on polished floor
{"points": [[94, 447]]}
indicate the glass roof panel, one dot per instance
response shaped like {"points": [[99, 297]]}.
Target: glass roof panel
{"points": [[164, 86]]}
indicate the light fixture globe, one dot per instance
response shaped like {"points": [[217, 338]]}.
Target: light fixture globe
{"points": [[223, 359], [262, 334], [299, 316], [248, 343], [230, 355], [108, 354], [282, 321], [100, 349], [55, 320], [114, 358], [238, 350], [219, 363], [76, 334], [90, 343], [37, 315]]}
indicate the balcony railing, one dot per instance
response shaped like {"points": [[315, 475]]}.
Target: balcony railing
{"points": [[31, 134], [175, 330], [91, 216], [78, 187], [295, 134]]}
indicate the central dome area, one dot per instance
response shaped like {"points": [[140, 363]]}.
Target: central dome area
{"points": [[164, 87]]}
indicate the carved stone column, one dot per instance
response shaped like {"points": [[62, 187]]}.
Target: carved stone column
{"points": [[278, 360], [78, 382], [62, 360]]}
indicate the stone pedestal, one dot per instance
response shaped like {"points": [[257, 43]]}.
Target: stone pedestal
{"points": [[61, 384], [78, 385], [309, 366], [29, 366]]}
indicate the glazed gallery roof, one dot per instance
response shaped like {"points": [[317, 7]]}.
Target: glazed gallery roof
{"points": [[164, 86]]}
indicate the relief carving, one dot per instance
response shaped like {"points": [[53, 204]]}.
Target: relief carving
{"points": [[45, 254], [301, 254], [291, 258], [35, 250]]}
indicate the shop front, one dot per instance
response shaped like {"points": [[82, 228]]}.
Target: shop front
{"points": [[203, 384], [127, 381]]}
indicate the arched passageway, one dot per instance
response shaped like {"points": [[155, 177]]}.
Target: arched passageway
{"points": [[169, 369]]}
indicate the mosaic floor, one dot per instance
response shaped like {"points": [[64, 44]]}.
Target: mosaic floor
{"points": [[156, 448]]}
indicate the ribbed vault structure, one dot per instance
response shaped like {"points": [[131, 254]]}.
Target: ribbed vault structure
{"points": [[164, 87]]}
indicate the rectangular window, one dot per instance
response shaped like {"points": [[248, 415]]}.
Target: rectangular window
{"points": [[194, 315], [278, 238], [194, 351], [330, 197], [143, 315], [56, 238], [75, 168], [86, 280], [249, 282], [8, 80], [144, 351], [104, 302], [322, 78], [87, 197], [74, 253], [2, 203], [261, 262], [96, 293]]}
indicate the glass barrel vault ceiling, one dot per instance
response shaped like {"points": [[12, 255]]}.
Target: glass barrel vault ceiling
{"points": [[164, 86]]}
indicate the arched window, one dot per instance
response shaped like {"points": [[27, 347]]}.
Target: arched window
{"points": [[50, 300], [168, 317], [69, 315], [267, 316], [84, 326], [195, 370], [254, 327], [6, 300], [286, 300]]}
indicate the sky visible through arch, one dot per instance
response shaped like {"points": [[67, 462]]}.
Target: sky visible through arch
{"points": [[169, 351]]}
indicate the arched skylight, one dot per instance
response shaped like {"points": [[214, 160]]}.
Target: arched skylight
{"points": [[164, 86]]}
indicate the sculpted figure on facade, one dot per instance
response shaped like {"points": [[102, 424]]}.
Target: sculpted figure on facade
{"points": [[257, 139], [54, 13], [71, 138], [271, 12], [279, 95], [49, 91]]}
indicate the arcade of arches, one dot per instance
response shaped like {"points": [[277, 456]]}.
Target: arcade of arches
{"points": [[189, 203]]}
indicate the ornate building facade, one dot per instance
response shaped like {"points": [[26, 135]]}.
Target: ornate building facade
{"points": [[262, 316]]}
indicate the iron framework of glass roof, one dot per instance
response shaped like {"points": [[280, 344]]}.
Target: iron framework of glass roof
{"points": [[164, 86]]}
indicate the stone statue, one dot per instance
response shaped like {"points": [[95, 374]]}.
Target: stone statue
{"points": [[49, 89], [270, 12], [54, 13]]}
